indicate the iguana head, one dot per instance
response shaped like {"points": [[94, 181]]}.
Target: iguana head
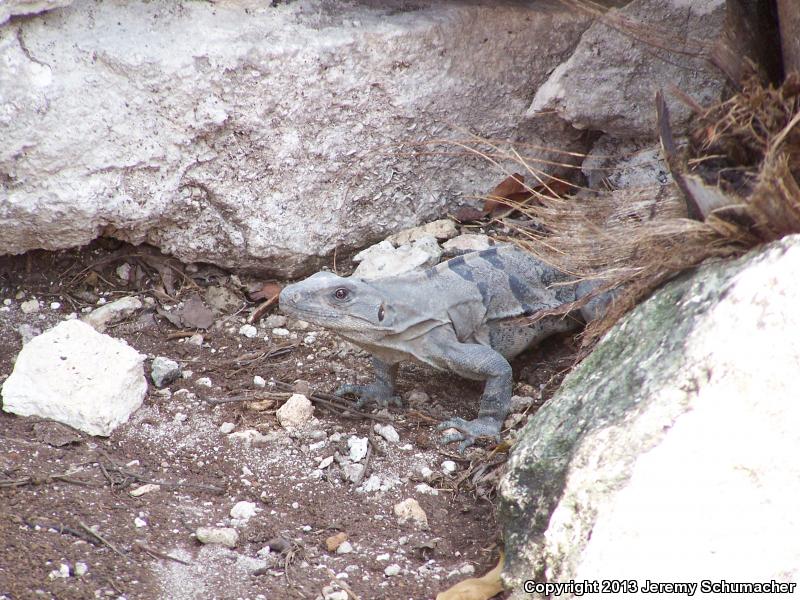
{"points": [[349, 306]]}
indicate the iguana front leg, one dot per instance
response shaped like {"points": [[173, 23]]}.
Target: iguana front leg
{"points": [[380, 391], [475, 361]]}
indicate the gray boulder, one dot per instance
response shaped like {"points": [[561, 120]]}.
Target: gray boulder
{"points": [[261, 137], [670, 453]]}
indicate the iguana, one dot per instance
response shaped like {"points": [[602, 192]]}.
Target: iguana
{"points": [[457, 316]]}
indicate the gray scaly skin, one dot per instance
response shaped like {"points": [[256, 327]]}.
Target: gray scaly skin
{"points": [[456, 316]]}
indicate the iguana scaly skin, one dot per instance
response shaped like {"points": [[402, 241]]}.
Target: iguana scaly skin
{"points": [[456, 316]]}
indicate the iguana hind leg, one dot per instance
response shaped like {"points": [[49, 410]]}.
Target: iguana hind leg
{"points": [[475, 361], [380, 391]]}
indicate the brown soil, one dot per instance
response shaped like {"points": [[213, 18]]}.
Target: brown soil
{"points": [[175, 439]]}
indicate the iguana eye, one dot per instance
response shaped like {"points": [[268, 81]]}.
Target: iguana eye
{"points": [[341, 293], [381, 314]]}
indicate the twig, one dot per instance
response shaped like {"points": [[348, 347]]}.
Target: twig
{"points": [[90, 531], [158, 554], [262, 308]]}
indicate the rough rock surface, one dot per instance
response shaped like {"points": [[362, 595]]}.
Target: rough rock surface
{"points": [[609, 83], [669, 452], [13, 8], [76, 376], [261, 137]]}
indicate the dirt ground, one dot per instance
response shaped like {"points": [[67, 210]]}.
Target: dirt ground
{"points": [[69, 527]]}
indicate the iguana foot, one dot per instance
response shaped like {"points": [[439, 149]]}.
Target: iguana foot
{"points": [[469, 431], [369, 393]]}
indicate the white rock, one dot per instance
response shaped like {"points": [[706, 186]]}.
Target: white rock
{"points": [[113, 312], [55, 305], [124, 271], [354, 471], [409, 511], [344, 548], [226, 428], [248, 331], [30, 306], [387, 432], [281, 332], [81, 568], [204, 382], [243, 510], [273, 321], [426, 472], [383, 260], [12, 8], [144, 489], [358, 447], [383, 557], [325, 462], [449, 467], [225, 536], [78, 377], [139, 522], [295, 412], [62, 572], [392, 570], [468, 242], [259, 381], [424, 488], [443, 229], [164, 371], [196, 340]]}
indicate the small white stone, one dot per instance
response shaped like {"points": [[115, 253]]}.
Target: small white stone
{"points": [[424, 488], [295, 412], [325, 462], [226, 428], [55, 305], [426, 473], [449, 467], [62, 572], [467, 570], [243, 510], [248, 331], [358, 447], [139, 522], [392, 570], [144, 489], [281, 332], [180, 417], [387, 432], [259, 381], [409, 511], [226, 536], [81, 568], [30, 306], [274, 321], [344, 548], [101, 301], [124, 272], [7, 302], [196, 340], [383, 557], [204, 381]]}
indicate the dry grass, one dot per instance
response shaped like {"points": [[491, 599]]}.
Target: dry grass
{"points": [[738, 176]]}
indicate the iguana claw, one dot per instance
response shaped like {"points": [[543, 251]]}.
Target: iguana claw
{"points": [[366, 393], [469, 431]]}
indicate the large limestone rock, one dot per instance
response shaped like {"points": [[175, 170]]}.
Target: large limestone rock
{"points": [[76, 376], [670, 453], [610, 81], [255, 136], [13, 8]]}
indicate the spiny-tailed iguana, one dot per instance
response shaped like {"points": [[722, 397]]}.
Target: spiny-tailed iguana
{"points": [[456, 316]]}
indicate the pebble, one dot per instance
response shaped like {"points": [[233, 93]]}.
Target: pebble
{"points": [[383, 557], [295, 412], [325, 462], [55, 305], [116, 311], [329, 593], [7, 302], [248, 331], [30, 306], [243, 510], [164, 371], [62, 572], [424, 488], [409, 511], [387, 432], [336, 540], [418, 397], [144, 489], [180, 417], [196, 340], [354, 472], [259, 381], [392, 570], [226, 428], [226, 536], [281, 332], [81, 568], [124, 272], [426, 473], [204, 381], [139, 522], [344, 548], [358, 447], [274, 321], [449, 467]]}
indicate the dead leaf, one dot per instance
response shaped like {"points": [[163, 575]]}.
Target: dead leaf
{"points": [[512, 189], [266, 291], [468, 214], [195, 314], [476, 588]]}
